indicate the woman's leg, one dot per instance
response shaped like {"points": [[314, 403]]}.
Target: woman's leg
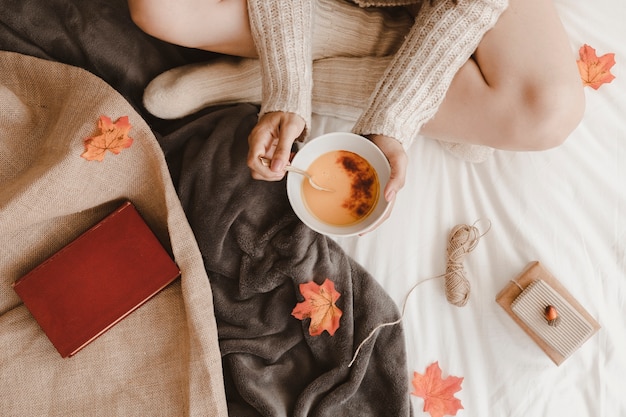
{"points": [[521, 90], [213, 25]]}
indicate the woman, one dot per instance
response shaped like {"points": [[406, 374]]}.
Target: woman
{"points": [[498, 73]]}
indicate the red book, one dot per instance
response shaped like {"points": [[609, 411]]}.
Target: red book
{"points": [[96, 280]]}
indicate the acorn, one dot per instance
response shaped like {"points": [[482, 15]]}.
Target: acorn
{"points": [[552, 315]]}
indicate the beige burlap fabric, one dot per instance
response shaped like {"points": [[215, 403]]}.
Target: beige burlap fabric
{"points": [[163, 359]]}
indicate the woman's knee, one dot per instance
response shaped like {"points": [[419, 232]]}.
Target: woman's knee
{"points": [[545, 115], [560, 113]]}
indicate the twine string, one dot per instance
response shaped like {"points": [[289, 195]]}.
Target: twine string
{"points": [[462, 240], [392, 323]]}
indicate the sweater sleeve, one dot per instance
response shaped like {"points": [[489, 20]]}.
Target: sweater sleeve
{"points": [[412, 88], [282, 34]]}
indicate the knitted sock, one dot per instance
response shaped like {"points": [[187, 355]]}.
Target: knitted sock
{"points": [[339, 91], [338, 29], [185, 90], [342, 85]]}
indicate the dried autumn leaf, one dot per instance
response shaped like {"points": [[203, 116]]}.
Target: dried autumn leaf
{"points": [[595, 71], [319, 306], [113, 137], [438, 393]]}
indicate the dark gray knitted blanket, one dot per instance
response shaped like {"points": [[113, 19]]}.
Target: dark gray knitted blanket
{"points": [[257, 252]]}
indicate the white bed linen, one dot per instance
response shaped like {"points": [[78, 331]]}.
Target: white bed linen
{"points": [[565, 207]]}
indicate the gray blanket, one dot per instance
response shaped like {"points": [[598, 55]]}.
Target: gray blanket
{"points": [[256, 252]]}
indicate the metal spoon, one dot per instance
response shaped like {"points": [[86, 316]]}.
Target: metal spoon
{"points": [[266, 162]]}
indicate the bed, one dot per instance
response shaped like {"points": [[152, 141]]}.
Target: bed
{"points": [[192, 350]]}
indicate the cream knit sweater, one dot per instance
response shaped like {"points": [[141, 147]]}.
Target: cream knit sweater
{"points": [[442, 39]]}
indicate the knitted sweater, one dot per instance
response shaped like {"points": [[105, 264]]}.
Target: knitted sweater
{"points": [[442, 39]]}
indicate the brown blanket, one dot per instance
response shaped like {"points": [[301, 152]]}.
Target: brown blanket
{"points": [[163, 359]]}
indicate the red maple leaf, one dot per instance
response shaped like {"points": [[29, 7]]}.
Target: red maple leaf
{"points": [[438, 393], [595, 71], [319, 306], [113, 137]]}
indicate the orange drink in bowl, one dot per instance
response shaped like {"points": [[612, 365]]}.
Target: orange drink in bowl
{"points": [[357, 172]]}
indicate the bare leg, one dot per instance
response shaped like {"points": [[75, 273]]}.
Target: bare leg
{"points": [[213, 25], [521, 90]]}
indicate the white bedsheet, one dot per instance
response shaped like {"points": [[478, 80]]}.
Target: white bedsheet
{"points": [[565, 207]]}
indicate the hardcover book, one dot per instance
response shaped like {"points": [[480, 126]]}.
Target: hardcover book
{"points": [[96, 280]]}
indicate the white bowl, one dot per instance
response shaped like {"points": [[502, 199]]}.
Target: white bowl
{"points": [[334, 142]]}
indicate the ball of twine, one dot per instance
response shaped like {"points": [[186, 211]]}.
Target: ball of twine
{"points": [[461, 241]]}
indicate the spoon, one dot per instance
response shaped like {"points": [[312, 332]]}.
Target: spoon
{"points": [[266, 162]]}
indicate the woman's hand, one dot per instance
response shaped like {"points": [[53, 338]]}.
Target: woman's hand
{"points": [[272, 138], [398, 161]]}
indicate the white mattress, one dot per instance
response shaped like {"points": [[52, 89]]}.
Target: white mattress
{"points": [[565, 208]]}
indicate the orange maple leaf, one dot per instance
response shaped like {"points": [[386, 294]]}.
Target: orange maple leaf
{"points": [[319, 306], [438, 393], [113, 137], [595, 71]]}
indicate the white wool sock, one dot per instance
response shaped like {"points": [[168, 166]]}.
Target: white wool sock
{"points": [[338, 29], [339, 91], [342, 85], [185, 90]]}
